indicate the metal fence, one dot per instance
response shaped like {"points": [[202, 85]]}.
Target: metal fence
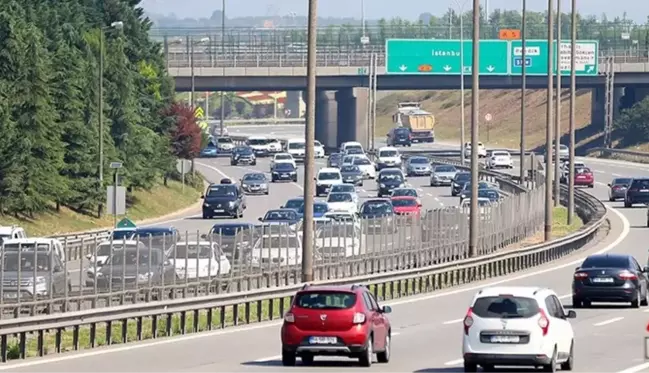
{"points": [[96, 273]]}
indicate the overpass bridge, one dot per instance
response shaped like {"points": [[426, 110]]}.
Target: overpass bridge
{"points": [[343, 79]]}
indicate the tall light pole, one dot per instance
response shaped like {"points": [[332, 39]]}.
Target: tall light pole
{"points": [[221, 123], [573, 83], [557, 127], [548, 129], [460, 6], [474, 217], [192, 43], [523, 89], [115, 25], [309, 133]]}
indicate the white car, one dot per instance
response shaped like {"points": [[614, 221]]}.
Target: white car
{"points": [[482, 151], [258, 144], [296, 148], [334, 247], [343, 188], [326, 178], [103, 251], [274, 146], [388, 156], [342, 202], [282, 158], [318, 149], [366, 166], [277, 249], [523, 326], [195, 260], [500, 159], [224, 144]]}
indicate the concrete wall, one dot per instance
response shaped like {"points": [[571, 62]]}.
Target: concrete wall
{"points": [[341, 116]]}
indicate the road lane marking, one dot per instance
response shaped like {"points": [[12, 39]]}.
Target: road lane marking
{"points": [[436, 199], [113, 349], [430, 195], [452, 321], [267, 359], [609, 321], [616, 174], [454, 362]]}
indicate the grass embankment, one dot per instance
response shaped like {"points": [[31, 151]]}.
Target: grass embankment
{"points": [[159, 201], [560, 228]]}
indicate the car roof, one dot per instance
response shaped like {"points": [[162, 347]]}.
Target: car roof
{"points": [[328, 169], [122, 242], [340, 288], [640, 178], [321, 202], [8, 229], [522, 291], [611, 255], [388, 148], [232, 225], [253, 173], [284, 154], [282, 210], [31, 240], [404, 197], [377, 200]]}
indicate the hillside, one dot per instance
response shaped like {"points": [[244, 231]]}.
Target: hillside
{"points": [[504, 106]]}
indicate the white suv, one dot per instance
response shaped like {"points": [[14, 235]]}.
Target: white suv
{"points": [[517, 326], [500, 158], [326, 178]]}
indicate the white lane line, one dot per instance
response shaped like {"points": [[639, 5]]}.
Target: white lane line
{"points": [[454, 362], [616, 174], [646, 311], [452, 321], [609, 321], [441, 204], [363, 191], [420, 189], [267, 359], [113, 349], [430, 195], [436, 199]]}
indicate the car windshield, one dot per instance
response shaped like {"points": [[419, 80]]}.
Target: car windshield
{"points": [[257, 141], [243, 151], [222, 191], [582, 171], [505, 307], [317, 143], [390, 177], [361, 161], [318, 208], [339, 197], [481, 185], [228, 230], [445, 169], [325, 300], [404, 192], [27, 246], [294, 203], [278, 242], [354, 150], [26, 262], [280, 215], [122, 234], [328, 176], [419, 161], [349, 160], [626, 181], [388, 153], [399, 202], [462, 177], [105, 248], [605, 261], [482, 202], [335, 157], [287, 167], [282, 157], [296, 145], [640, 184], [343, 188], [377, 208], [563, 147], [254, 177], [224, 140], [133, 257], [500, 154], [485, 193], [350, 169], [191, 251]]}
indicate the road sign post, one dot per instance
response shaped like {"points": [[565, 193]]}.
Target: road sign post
{"points": [[116, 195], [183, 166], [487, 118]]}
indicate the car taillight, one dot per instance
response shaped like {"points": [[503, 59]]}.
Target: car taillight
{"points": [[289, 317], [359, 318], [616, 187], [581, 275], [468, 321], [626, 275], [544, 323]]}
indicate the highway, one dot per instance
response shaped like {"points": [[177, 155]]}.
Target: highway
{"points": [[427, 330]]}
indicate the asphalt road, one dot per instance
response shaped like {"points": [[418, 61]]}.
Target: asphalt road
{"points": [[427, 330]]}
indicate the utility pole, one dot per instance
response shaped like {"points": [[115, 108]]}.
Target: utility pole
{"points": [[474, 214], [548, 132], [573, 84], [523, 91], [309, 162], [557, 128], [222, 121], [610, 98]]}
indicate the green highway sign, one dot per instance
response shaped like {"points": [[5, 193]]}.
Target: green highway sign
{"points": [[442, 57], [536, 56], [126, 223], [497, 57]]}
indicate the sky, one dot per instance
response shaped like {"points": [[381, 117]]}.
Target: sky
{"points": [[636, 10]]}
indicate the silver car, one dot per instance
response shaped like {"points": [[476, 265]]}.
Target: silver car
{"points": [[442, 175], [418, 166], [617, 188]]}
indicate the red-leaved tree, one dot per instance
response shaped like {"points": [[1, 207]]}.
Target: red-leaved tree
{"points": [[186, 134]]}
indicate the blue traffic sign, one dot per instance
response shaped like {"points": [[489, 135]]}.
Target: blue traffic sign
{"points": [[518, 61]]}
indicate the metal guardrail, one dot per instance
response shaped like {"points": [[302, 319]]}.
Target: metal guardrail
{"points": [[261, 121], [24, 337], [621, 154]]}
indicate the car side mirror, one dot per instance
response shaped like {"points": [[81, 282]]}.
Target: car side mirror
{"points": [[204, 236], [645, 269], [89, 256], [202, 196], [577, 268], [571, 314], [260, 218], [609, 184], [386, 309]]}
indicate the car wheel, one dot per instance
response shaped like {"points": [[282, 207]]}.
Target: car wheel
{"points": [[233, 164], [254, 163], [205, 216], [307, 359], [645, 300], [266, 193], [611, 199], [489, 367], [384, 356], [586, 304], [628, 204], [470, 367], [367, 355], [570, 363], [576, 303], [636, 302], [288, 358], [591, 186], [552, 366]]}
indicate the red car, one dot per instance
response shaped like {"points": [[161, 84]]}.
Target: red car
{"points": [[336, 321], [406, 205], [584, 177]]}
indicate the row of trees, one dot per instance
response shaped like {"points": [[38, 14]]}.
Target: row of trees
{"points": [[632, 127], [49, 122]]}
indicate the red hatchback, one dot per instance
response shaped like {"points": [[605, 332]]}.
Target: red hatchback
{"points": [[336, 321], [406, 205], [584, 177]]}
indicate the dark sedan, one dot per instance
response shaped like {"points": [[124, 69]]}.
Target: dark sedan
{"points": [[133, 268], [255, 183], [610, 278], [638, 192], [618, 187], [230, 237], [335, 160], [279, 216], [352, 175], [243, 155], [459, 180], [284, 172], [491, 194]]}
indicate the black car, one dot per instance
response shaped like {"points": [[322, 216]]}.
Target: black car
{"points": [[133, 268], [459, 180], [400, 136], [379, 214], [352, 175], [255, 183], [243, 155], [284, 172], [610, 278], [387, 182], [492, 194], [231, 237], [638, 192], [335, 160], [281, 216], [223, 200]]}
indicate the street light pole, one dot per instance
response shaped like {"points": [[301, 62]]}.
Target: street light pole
{"points": [[523, 91], [462, 120], [309, 134], [474, 217], [548, 130], [221, 123], [557, 114], [573, 83]]}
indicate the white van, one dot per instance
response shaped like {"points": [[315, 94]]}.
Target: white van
{"points": [[327, 177], [296, 148], [388, 156], [346, 146]]}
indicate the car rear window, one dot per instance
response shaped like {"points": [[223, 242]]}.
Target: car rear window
{"points": [[505, 306], [605, 262], [640, 184], [325, 300]]}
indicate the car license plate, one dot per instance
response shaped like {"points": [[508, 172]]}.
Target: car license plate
{"points": [[323, 340], [505, 339], [644, 190], [581, 177], [284, 175], [219, 210], [603, 280]]}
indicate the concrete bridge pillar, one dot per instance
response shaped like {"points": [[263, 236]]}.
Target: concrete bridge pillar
{"points": [[352, 111], [293, 101], [326, 118]]}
